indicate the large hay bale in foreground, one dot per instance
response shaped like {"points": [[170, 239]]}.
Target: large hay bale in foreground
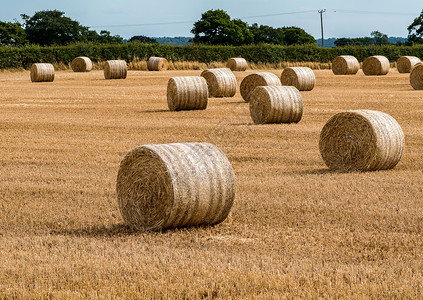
{"points": [[157, 64], [81, 64], [416, 77], [237, 64], [361, 140], [345, 65], [115, 69], [250, 82], [276, 104], [220, 81], [376, 65], [406, 63], [187, 93], [175, 185], [42, 72], [301, 77]]}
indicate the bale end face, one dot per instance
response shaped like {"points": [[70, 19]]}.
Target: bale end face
{"points": [[81, 64], [416, 77], [376, 66], [406, 63], [237, 64], [157, 64], [345, 65]]}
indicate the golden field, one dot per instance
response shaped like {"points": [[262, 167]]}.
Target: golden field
{"points": [[296, 230]]}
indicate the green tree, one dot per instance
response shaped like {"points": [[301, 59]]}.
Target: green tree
{"points": [[142, 39], [216, 28], [380, 38], [296, 36], [12, 34], [267, 34], [415, 30]]}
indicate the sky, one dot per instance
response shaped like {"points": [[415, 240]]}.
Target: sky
{"points": [[171, 18]]}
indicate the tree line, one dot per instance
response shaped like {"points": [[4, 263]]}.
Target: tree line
{"points": [[215, 27]]}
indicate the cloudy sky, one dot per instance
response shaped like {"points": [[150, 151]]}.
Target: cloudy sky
{"points": [[175, 17]]}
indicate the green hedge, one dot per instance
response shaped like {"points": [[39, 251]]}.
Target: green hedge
{"points": [[24, 57]]}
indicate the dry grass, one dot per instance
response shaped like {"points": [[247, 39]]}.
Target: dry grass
{"points": [[296, 230]]}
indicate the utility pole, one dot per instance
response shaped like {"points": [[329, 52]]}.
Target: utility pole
{"points": [[321, 11]]}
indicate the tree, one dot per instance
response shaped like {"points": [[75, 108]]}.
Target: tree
{"points": [[380, 38], [266, 34], [296, 35], [142, 39], [50, 27], [216, 28], [415, 30], [12, 34]]}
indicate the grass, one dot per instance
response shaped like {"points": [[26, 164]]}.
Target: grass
{"points": [[296, 230]]}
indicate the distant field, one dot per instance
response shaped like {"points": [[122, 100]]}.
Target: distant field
{"points": [[295, 230]]}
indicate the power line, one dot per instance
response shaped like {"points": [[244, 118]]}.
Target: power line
{"points": [[365, 12]]}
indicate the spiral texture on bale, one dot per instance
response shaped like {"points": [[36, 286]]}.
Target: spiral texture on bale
{"points": [[406, 63], [42, 72], [301, 77], [376, 65], [175, 185], [276, 104], [361, 140], [187, 93], [81, 64], [221, 82], [237, 64], [115, 69], [345, 65], [157, 64], [416, 77], [250, 82]]}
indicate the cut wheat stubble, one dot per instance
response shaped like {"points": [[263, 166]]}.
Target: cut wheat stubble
{"points": [[115, 69], [301, 77], [175, 185], [42, 72], [416, 77], [345, 65], [406, 63], [361, 140], [276, 104], [81, 64], [221, 82], [157, 64], [376, 65], [187, 93], [237, 64], [250, 82]]}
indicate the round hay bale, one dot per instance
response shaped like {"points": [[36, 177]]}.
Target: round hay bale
{"points": [[250, 82], [376, 65], [276, 104], [345, 65], [41, 72], [81, 64], [175, 185], [406, 63], [157, 64], [361, 140], [220, 81], [237, 64], [301, 77], [416, 77], [115, 69], [187, 93]]}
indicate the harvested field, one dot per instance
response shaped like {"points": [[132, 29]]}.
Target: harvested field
{"points": [[295, 230]]}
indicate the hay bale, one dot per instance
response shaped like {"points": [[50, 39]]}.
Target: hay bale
{"points": [[416, 77], [276, 104], [115, 69], [220, 81], [250, 82], [376, 65], [186, 93], [41, 72], [237, 64], [345, 65], [406, 63], [361, 140], [81, 64], [175, 185], [157, 64], [301, 77]]}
